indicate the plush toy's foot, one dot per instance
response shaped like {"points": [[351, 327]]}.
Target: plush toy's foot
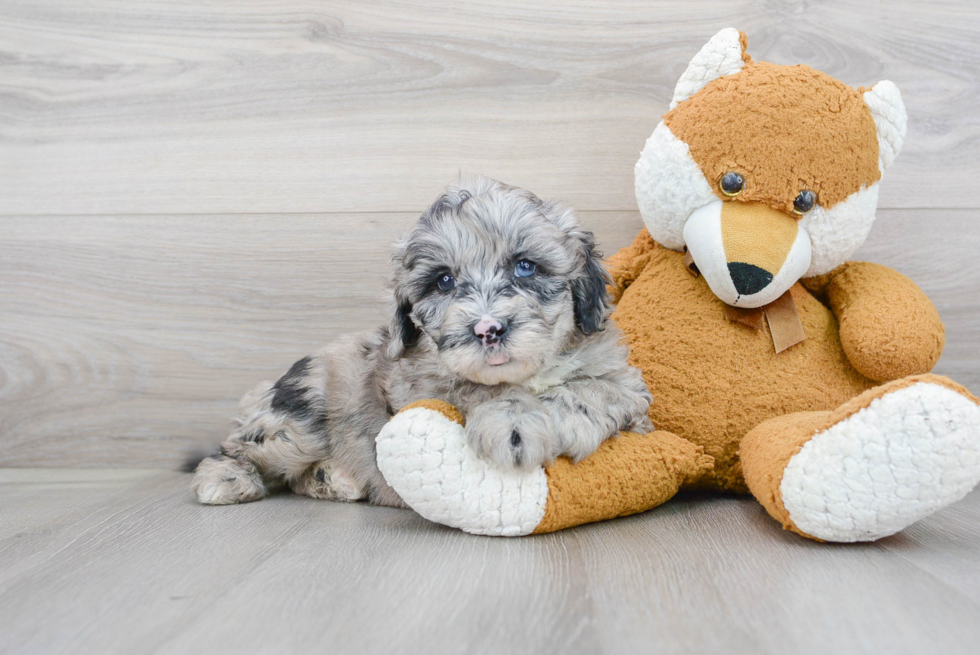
{"points": [[884, 460], [423, 455]]}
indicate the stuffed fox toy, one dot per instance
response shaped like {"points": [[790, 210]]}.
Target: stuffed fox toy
{"points": [[777, 367]]}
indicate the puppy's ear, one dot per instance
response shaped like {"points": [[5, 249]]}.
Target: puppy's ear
{"points": [[404, 333], [589, 290]]}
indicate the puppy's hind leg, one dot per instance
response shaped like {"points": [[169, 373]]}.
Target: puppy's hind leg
{"points": [[279, 435], [231, 475]]}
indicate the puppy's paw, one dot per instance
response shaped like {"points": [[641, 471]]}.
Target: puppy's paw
{"points": [[224, 481], [642, 425], [328, 482], [579, 436], [512, 437]]}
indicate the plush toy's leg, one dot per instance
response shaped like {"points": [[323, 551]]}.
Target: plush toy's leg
{"points": [[880, 462], [423, 455]]}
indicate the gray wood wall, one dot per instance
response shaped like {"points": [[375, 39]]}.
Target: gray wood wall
{"points": [[192, 195]]}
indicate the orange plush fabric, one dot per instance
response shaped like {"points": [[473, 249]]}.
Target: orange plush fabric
{"points": [[888, 327], [762, 123], [628, 474], [713, 380]]}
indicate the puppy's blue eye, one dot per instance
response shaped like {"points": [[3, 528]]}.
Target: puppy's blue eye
{"points": [[525, 268], [446, 282]]}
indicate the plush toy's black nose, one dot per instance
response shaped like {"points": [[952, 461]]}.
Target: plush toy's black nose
{"points": [[749, 279]]}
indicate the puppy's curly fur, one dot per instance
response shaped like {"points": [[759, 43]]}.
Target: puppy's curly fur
{"points": [[500, 308]]}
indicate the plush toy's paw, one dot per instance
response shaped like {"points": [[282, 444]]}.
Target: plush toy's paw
{"points": [[512, 435], [888, 458], [424, 456]]}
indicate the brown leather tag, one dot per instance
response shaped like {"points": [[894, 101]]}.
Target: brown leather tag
{"points": [[784, 322], [754, 318], [785, 326]]}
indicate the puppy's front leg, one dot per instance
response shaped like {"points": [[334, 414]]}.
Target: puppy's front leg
{"points": [[586, 412], [514, 430]]}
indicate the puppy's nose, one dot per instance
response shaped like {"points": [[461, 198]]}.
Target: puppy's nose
{"points": [[489, 330]]}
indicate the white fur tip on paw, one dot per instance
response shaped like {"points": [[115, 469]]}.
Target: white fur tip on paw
{"points": [[425, 458], [905, 456]]}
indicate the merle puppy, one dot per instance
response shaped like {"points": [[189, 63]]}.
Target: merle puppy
{"points": [[500, 308]]}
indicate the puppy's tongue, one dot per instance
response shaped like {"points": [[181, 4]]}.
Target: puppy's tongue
{"points": [[497, 358]]}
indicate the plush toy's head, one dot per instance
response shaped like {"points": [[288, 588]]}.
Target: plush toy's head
{"points": [[765, 173]]}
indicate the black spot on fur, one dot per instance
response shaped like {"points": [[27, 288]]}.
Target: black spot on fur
{"points": [[320, 476], [515, 439], [590, 293], [290, 391], [256, 435], [409, 333]]}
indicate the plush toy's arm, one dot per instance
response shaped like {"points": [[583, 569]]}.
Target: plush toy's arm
{"points": [[627, 264], [888, 327], [424, 456]]}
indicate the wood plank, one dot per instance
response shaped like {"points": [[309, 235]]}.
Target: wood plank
{"points": [[34, 497], [115, 107], [144, 569], [128, 340]]}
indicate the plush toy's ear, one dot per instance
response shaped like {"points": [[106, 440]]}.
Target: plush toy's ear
{"points": [[723, 55], [891, 120]]}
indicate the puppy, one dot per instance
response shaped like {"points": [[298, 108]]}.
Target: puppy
{"points": [[500, 308]]}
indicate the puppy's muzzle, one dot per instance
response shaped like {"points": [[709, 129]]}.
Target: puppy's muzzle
{"points": [[489, 330]]}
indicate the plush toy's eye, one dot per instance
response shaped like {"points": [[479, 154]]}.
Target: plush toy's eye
{"points": [[732, 183], [525, 268], [804, 202], [446, 282]]}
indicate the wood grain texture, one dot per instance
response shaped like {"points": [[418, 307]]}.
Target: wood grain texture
{"points": [[133, 565], [124, 107], [128, 340]]}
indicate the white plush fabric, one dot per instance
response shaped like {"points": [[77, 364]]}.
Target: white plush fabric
{"points": [[837, 232], [426, 460], [891, 120], [669, 187], [703, 236], [908, 454], [720, 56]]}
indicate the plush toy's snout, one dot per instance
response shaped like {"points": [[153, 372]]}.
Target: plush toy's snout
{"points": [[749, 253]]}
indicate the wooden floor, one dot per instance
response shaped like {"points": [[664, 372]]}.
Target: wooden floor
{"points": [[195, 193], [95, 561]]}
